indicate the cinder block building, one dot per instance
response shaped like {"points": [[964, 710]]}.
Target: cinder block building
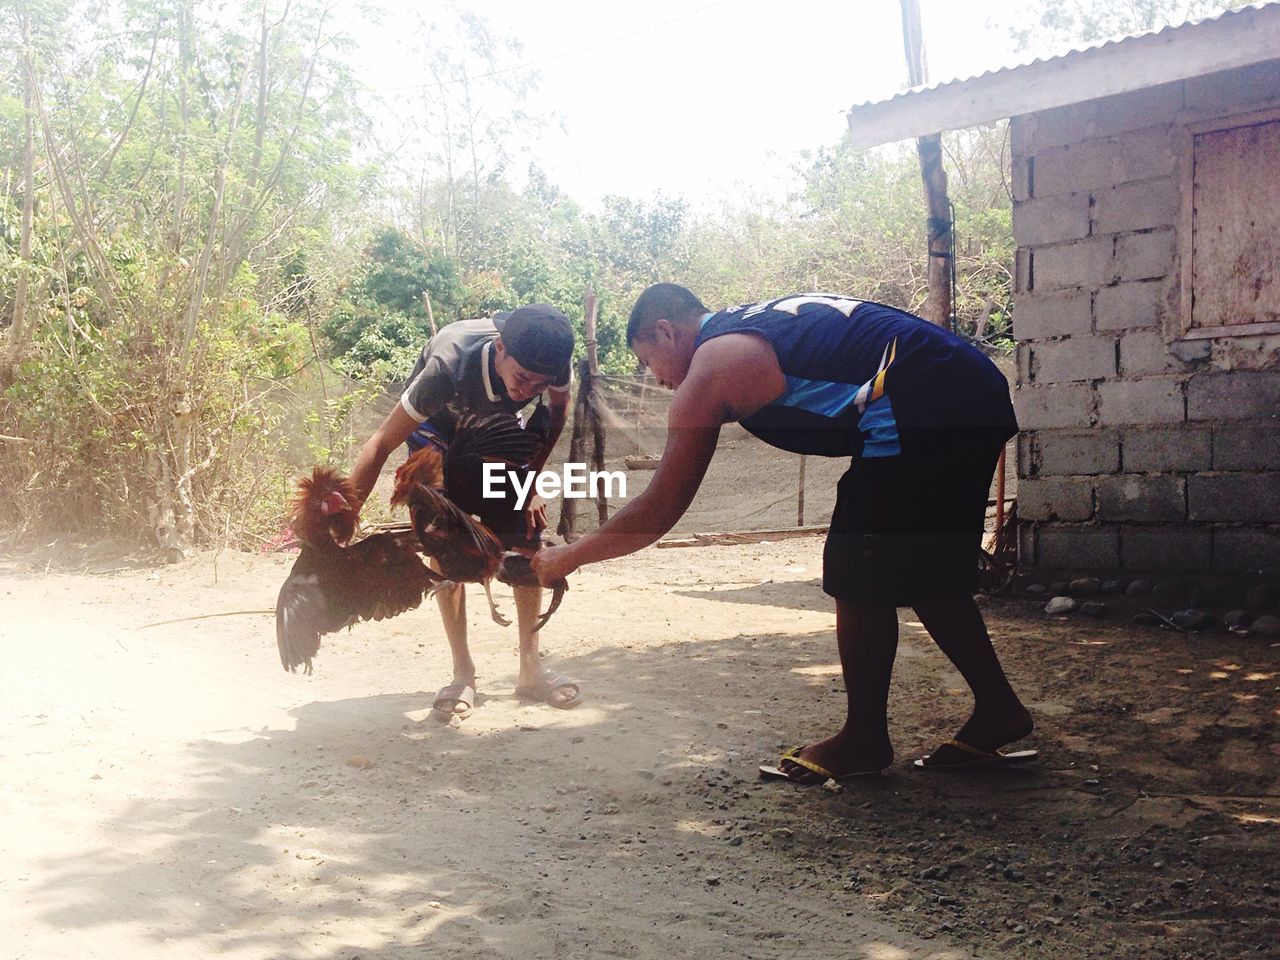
{"points": [[1146, 177]]}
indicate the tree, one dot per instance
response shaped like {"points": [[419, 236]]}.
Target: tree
{"points": [[378, 326], [1045, 25], [181, 163]]}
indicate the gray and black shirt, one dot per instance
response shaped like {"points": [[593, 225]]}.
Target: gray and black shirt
{"points": [[456, 369]]}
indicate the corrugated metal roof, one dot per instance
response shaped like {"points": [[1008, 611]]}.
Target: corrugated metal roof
{"points": [[1254, 31]]}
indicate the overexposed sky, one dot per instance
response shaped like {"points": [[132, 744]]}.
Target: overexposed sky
{"points": [[696, 98]]}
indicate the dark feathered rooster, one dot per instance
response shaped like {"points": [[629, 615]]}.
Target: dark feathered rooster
{"points": [[335, 583], [455, 523]]}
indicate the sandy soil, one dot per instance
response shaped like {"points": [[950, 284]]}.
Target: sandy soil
{"points": [[167, 791]]}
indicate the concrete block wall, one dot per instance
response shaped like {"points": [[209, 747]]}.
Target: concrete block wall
{"points": [[1141, 451]]}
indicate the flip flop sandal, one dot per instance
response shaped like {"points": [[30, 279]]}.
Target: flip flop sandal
{"points": [[958, 755], [445, 707], [552, 681], [810, 773]]}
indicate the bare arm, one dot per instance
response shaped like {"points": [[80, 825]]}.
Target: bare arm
{"points": [[690, 446], [390, 434], [730, 378]]}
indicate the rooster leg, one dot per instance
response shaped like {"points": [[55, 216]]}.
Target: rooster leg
{"points": [[498, 618], [445, 585]]}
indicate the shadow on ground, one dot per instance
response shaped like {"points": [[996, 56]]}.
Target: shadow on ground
{"points": [[1150, 829]]}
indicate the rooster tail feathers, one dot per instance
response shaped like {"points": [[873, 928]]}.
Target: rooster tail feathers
{"points": [[494, 437], [428, 506]]}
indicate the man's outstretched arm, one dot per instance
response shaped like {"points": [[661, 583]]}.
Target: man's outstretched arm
{"points": [[730, 378], [690, 447]]}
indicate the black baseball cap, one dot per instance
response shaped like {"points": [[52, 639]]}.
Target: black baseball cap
{"points": [[539, 338]]}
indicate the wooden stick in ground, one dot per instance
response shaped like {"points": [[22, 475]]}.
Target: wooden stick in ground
{"points": [[644, 384], [597, 448], [800, 498], [589, 309], [1000, 468], [426, 303], [569, 506], [594, 398]]}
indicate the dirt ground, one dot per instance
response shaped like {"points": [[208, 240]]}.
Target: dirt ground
{"points": [[166, 790]]}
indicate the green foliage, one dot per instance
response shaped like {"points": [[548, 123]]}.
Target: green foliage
{"points": [[380, 344], [218, 291], [381, 320], [400, 269], [1044, 25], [187, 204]]}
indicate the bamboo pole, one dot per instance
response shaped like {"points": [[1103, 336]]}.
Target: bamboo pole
{"points": [[426, 305]]}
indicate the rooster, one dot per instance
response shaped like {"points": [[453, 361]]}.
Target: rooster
{"points": [[335, 583], [454, 522]]}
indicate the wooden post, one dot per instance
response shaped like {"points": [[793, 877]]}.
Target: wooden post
{"points": [[594, 399], [644, 388], [589, 309], [584, 410], [800, 505], [998, 543], [938, 307], [426, 304], [803, 459], [569, 506]]}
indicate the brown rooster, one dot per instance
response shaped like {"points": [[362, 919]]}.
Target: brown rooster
{"points": [[455, 524], [335, 583]]}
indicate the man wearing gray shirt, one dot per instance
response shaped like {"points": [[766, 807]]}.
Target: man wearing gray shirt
{"points": [[496, 365]]}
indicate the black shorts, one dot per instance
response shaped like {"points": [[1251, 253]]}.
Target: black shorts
{"points": [[907, 528]]}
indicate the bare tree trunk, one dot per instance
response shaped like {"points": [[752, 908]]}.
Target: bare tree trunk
{"points": [[938, 306], [20, 330], [449, 235], [180, 194], [471, 144], [215, 219], [260, 113], [110, 156], [175, 494]]}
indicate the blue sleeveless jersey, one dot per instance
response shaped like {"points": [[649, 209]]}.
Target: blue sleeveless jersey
{"points": [[863, 376]]}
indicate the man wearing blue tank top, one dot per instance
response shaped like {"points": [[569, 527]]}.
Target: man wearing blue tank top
{"points": [[922, 414]]}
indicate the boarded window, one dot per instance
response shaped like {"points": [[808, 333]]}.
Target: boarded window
{"points": [[1235, 228]]}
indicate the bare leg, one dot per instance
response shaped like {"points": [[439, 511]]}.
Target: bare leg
{"points": [[867, 637], [453, 611], [956, 625], [528, 612]]}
